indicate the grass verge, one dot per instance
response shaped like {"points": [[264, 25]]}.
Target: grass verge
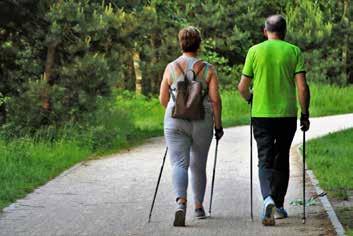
{"points": [[26, 164], [331, 160]]}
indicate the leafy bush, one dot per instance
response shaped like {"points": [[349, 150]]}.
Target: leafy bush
{"points": [[228, 76], [25, 112]]}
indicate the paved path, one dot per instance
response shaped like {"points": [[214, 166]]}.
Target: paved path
{"points": [[112, 196]]}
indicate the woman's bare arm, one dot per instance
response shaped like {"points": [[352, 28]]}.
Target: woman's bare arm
{"points": [[164, 89], [213, 93]]}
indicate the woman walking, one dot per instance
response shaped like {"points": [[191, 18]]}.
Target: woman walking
{"points": [[188, 141]]}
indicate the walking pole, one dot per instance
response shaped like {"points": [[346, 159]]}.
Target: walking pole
{"points": [[213, 177], [159, 179], [303, 177], [251, 173]]}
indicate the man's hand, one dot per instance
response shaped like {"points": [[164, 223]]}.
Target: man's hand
{"points": [[304, 122], [218, 133]]}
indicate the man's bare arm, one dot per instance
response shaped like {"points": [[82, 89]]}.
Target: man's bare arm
{"points": [[303, 92], [244, 86]]}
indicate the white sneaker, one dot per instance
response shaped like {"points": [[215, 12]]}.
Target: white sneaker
{"points": [[268, 213]]}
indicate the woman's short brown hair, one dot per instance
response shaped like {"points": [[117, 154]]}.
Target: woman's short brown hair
{"points": [[189, 39]]}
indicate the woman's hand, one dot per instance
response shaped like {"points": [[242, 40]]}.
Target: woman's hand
{"points": [[218, 133]]}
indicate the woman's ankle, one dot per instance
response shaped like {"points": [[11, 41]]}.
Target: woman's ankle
{"points": [[181, 200], [198, 205]]}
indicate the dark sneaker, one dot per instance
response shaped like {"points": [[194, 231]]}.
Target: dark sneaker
{"points": [[200, 213], [268, 218], [180, 213], [281, 213]]}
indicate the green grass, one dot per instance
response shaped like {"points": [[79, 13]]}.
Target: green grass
{"points": [[146, 114], [331, 159], [235, 111], [330, 100], [27, 163]]}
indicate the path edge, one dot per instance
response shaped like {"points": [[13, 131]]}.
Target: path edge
{"points": [[337, 225]]}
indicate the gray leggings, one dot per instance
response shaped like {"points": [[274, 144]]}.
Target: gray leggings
{"points": [[188, 144]]}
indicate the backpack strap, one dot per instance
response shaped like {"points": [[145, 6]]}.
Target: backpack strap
{"points": [[205, 72], [180, 68], [174, 78], [201, 67]]}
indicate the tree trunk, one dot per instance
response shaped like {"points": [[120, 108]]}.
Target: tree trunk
{"points": [[2, 114], [345, 20], [157, 75], [48, 71], [138, 73], [49, 63]]}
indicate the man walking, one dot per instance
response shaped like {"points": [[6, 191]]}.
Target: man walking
{"points": [[276, 70]]}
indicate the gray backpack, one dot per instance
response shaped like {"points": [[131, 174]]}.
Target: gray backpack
{"points": [[189, 95]]}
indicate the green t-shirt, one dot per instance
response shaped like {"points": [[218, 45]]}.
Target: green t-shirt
{"points": [[272, 65]]}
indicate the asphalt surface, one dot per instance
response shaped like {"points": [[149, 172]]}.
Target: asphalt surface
{"points": [[112, 196]]}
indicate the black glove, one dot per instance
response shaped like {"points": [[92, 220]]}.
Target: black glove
{"points": [[218, 133], [304, 122]]}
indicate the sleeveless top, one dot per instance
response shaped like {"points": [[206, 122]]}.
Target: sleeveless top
{"points": [[190, 62]]}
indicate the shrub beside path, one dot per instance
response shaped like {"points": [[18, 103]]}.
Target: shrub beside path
{"points": [[112, 196]]}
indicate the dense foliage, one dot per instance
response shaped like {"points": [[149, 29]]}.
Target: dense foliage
{"points": [[60, 59]]}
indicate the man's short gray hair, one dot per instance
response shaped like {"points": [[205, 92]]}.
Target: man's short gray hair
{"points": [[276, 24]]}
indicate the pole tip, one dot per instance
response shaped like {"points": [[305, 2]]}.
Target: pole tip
{"points": [[303, 221]]}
